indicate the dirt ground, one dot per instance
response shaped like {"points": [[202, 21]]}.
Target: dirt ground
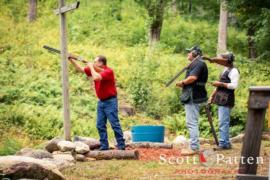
{"points": [[169, 164]]}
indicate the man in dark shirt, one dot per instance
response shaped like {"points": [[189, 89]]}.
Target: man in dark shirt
{"points": [[193, 95], [107, 108]]}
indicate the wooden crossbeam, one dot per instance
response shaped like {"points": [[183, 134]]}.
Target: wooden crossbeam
{"points": [[259, 97], [67, 8]]}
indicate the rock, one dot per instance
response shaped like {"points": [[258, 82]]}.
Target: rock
{"points": [[80, 157], [127, 136], [126, 110], [266, 136], [63, 159], [16, 167], [52, 144], [181, 142], [81, 148], [65, 146], [91, 142], [166, 140], [237, 139], [34, 153]]}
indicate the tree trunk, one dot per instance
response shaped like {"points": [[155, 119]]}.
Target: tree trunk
{"points": [[182, 5], [150, 145], [156, 16], [190, 6], [222, 31], [32, 14], [252, 53], [155, 31], [113, 154], [174, 6]]}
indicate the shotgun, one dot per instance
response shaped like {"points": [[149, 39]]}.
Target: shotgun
{"points": [[210, 120], [53, 50], [72, 56], [181, 72], [217, 60]]}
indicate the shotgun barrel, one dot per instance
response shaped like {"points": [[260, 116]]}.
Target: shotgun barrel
{"points": [[210, 120], [50, 49], [53, 50], [181, 72]]}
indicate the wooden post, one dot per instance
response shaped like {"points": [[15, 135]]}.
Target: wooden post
{"points": [[63, 39], [258, 102], [65, 91], [269, 167], [252, 140], [268, 115]]}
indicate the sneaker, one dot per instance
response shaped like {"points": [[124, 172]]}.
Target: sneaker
{"points": [[189, 152]]}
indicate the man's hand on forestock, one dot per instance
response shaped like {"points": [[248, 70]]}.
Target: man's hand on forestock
{"points": [[90, 64], [210, 100], [217, 84]]}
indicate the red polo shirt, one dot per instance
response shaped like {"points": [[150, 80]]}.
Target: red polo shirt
{"points": [[105, 88]]}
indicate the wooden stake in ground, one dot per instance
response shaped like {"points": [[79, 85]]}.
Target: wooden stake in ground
{"points": [[63, 37]]}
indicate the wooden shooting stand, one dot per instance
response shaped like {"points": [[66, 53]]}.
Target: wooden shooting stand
{"points": [[61, 11], [259, 98]]}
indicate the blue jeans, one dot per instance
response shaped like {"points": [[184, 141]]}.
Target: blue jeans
{"points": [[108, 109], [192, 119], [224, 125]]}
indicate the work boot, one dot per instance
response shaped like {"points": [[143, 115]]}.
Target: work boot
{"points": [[221, 148]]}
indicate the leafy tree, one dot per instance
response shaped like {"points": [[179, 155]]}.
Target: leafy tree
{"points": [[155, 9], [198, 9], [254, 16]]}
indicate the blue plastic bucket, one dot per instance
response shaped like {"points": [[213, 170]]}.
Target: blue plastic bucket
{"points": [[146, 133]]}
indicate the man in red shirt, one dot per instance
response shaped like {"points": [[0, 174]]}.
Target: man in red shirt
{"points": [[106, 92]]}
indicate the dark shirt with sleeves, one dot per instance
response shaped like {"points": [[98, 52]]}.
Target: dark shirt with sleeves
{"points": [[200, 70]]}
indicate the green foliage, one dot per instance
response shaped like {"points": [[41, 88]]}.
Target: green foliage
{"points": [[254, 16], [9, 146], [263, 34], [176, 124], [198, 9]]}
